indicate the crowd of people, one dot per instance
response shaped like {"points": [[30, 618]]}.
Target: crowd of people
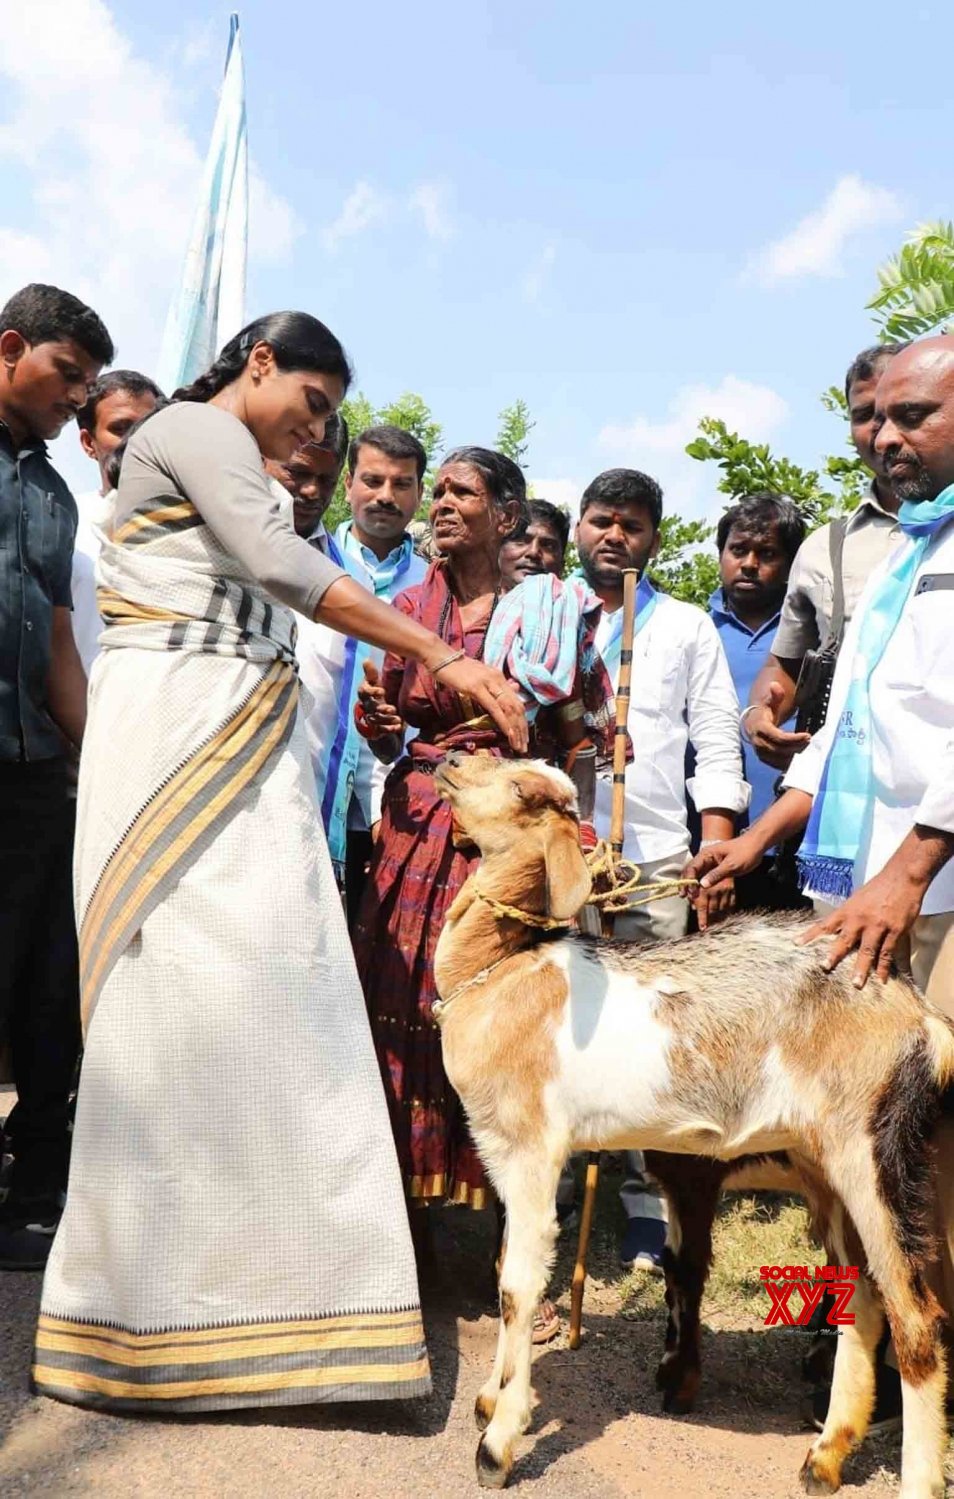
{"points": [[256, 708]]}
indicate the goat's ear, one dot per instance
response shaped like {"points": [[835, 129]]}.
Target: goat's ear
{"points": [[568, 876]]}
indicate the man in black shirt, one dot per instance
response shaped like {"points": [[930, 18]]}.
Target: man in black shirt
{"points": [[52, 347]]}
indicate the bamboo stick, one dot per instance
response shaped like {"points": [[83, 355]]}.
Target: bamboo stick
{"points": [[617, 825]]}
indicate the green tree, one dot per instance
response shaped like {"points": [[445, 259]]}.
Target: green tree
{"points": [[686, 565], [748, 467], [915, 295], [410, 412], [514, 431]]}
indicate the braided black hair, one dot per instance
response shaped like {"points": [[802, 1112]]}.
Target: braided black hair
{"points": [[298, 342]]}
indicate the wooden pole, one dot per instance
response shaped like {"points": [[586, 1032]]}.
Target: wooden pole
{"points": [[617, 827]]}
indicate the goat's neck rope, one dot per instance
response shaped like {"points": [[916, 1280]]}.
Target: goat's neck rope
{"points": [[624, 892], [476, 929], [526, 918]]}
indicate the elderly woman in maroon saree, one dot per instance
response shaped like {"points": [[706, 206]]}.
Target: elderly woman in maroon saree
{"points": [[416, 870]]}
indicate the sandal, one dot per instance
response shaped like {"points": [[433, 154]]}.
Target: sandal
{"points": [[547, 1322]]}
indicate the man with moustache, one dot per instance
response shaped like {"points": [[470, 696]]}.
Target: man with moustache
{"points": [[384, 488], [540, 548], [52, 348], [850, 548], [116, 402], [682, 695]]}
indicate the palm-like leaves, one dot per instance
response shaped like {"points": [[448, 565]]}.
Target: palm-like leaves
{"points": [[916, 293]]}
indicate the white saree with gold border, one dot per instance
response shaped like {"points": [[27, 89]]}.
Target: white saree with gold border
{"points": [[235, 1230]]}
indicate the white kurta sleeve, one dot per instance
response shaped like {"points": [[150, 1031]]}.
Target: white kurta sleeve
{"points": [[713, 715], [936, 809]]}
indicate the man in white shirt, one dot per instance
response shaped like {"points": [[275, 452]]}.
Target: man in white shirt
{"points": [[682, 694], [891, 725], [115, 403], [384, 486]]}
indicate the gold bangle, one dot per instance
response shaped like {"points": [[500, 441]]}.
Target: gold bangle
{"points": [[448, 661]]}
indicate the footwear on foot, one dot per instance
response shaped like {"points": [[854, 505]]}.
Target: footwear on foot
{"points": [[27, 1229], [643, 1242], [27, 1246]]}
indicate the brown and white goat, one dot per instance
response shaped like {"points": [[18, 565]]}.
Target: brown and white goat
{"points": [[725, 1045]]}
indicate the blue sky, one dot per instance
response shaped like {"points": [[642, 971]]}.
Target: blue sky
{"points": [[625, 214]]}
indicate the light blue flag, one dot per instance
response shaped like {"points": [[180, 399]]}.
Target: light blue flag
{"points": [[209, 307]]}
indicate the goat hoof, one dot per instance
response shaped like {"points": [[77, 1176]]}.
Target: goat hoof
{"points": [[816, 1482], [678, 1403], [680, 1386], [492, 1472], [484, 1411]]}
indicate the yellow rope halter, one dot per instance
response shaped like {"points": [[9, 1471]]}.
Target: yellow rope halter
{"points": [[624, 893]]}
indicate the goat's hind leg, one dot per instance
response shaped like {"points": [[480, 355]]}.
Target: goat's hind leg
{"points": [[529, 1193], [852, 1392], [691, 1185], [915, 1319]]}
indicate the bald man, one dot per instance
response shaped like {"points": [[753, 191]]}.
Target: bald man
{"points": [[880, 840], [875, 788]]}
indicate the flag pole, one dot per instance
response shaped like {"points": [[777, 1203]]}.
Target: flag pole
{"points": [[617, 832], [208, 305]]}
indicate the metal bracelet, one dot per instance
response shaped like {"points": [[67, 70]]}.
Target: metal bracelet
{"points": [[448, 661]]}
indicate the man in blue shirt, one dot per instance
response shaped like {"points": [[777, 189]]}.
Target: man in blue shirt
{"points": [[757, 541], [52, 348], [384, 486]]}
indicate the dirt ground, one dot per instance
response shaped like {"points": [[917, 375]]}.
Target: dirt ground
{"points": [[598, 1432]]}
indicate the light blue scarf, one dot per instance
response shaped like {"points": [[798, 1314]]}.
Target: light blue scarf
{"points": [[829, 856], [346, 747], [612, 647]]}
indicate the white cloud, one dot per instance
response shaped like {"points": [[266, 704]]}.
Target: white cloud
{"points": [[816, 245], [273, 225], [362, 209], [535, 279], [658, 447], [432, 201], [98, 133]]}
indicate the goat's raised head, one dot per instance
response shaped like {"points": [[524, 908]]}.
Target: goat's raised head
{"points": [[524, 807]]}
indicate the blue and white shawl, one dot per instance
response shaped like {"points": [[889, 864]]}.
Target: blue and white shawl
{"points": [[829, 860]]}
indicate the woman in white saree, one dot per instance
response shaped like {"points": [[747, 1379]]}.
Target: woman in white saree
{"points": [[200, 1265]]}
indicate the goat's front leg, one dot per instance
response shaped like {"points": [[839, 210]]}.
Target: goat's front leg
{"points": [[529, 1195]]}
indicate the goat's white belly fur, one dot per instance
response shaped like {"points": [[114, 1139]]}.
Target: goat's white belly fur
{"points": [[615, 1088]]}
